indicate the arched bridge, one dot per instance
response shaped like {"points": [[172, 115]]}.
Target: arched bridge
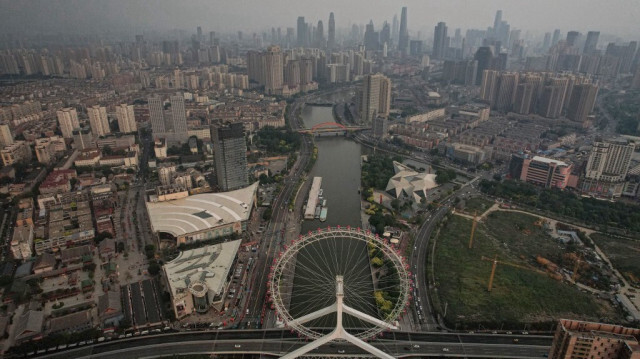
{"points": [[331, 127], [277, 342]]}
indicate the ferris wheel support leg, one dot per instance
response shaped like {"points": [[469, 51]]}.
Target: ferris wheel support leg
{"points": [[365, 346], [315, 315], [367, 318], [311, 346]]}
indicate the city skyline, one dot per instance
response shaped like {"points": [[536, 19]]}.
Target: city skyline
{"points": [[130, 17]]}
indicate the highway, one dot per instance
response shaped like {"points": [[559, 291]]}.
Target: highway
{"points": [[278, 342]]}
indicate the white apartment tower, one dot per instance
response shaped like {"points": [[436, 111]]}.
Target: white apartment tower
{"points": [[126, 118], [98, 120], [68, 121]]}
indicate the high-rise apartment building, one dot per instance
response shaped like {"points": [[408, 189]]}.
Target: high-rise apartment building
{"points": [[230, 156], [439, 40], [68, 121], [98, 120], [575, 339], [524, 98], [572, 38], [403, 41], [179, 118], [156, 116], [126, 118], [583, 98], [273, 69], [609, 161], [375, 98], [489, 86], [507, 85]]}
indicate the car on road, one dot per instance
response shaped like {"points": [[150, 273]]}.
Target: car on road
{"points": [[445, 349], [340, 351], [237, 346]]}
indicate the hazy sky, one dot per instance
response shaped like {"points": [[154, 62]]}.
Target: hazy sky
{"points": [[619, 17]]}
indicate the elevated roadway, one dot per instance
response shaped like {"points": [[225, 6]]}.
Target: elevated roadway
{"points": [[278, 342]]}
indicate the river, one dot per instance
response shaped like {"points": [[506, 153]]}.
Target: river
{"points": [[338, 164]]}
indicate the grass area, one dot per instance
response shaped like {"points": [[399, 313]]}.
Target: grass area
{"points": [[518, 295], [623, 254], [521, 235], [477, 204]]}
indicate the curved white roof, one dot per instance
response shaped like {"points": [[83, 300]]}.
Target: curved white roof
{"points": [[202, 211]]}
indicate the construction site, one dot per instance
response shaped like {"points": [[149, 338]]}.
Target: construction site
{"points": [[503, 269]]}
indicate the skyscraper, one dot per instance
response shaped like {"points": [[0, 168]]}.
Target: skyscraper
{"points": [[230, 156], [156, 116], [572, 38], [371, 37], [331, 41], [403, 41], [497, 21], [375, 97], [301, 32], [484, 56], [556, 37], [98, 120], [394, 29], [546, 44], [179, 117], [439, 40], [385, 34], [68, 121], [126, 118], [319, 36], [524, 98], [489, 86], [591, 42]]}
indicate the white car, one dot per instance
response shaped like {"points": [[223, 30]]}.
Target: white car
{"points": [[445, 349]]}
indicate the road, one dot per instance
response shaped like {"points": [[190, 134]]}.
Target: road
{"points": [[278, 342]]}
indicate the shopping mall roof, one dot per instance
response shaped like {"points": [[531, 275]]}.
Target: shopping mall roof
{"points": [[201, 271], [202, 211]]}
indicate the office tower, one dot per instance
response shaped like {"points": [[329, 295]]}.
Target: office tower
{"points": [[394, 29], [68, 121], [156, 116], [556, 37], [126, 118], [319, 37], [583, 98], [546, 44], [199, 33], [375, 97], [212, 37], [98, 120], [524, 98], [403, 40], [370, 38], [179, 117], [489, 86], [230, 156], [572, 38], [415, 48], [484, 56], [439, 40], [273, 69], [507, 85], [331, 40], [578, 339], [302, 32], [591, 42], [6, 138]]}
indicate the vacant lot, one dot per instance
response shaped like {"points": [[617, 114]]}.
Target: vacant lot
{"points": [[623, 254], [518, 295], [477, 204]]}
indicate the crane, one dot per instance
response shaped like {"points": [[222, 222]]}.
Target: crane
{"points": [[495, 264], [473, 228]]}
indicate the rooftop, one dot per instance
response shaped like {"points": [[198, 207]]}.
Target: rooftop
{"points": [[202, 211], [202, 270], [549, 160]]}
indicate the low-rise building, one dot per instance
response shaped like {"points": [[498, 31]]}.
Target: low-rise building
{"points": [[546, 172], [19, 151], [22, 242], [578, 339]]}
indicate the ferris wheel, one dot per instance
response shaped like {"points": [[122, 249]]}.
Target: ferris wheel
{"points": [[345, 282]]}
